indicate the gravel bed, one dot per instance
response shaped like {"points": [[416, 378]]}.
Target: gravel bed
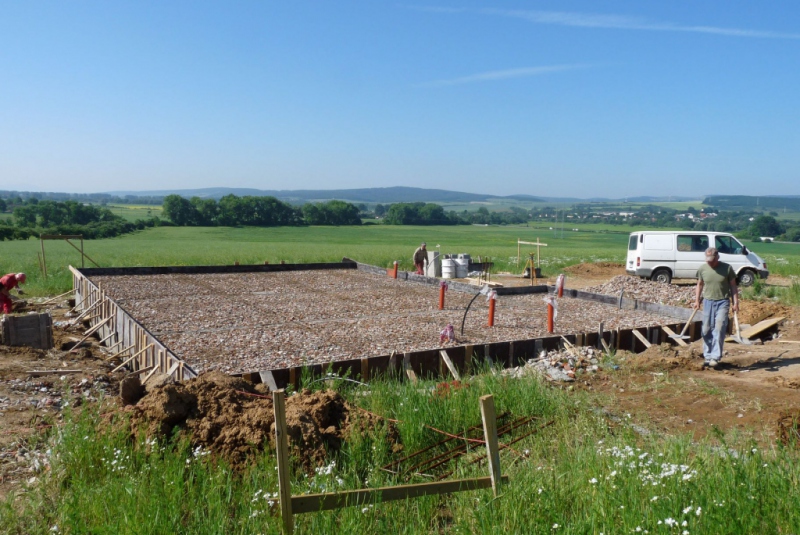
{"points": [[257, 321], [645, 290]]}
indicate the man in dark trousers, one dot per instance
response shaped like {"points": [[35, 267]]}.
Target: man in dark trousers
{"points": [[8, 283], [716, 288], [420, 257]]}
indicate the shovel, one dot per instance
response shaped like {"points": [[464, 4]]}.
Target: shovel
{"points": [[683, 335], [738, 336]]}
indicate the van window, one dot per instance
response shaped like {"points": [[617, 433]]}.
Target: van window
{"points": [[695, 244], [727, 245], [632, 242]]}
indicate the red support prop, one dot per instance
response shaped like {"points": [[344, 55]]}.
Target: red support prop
{"points": [[442, 289], [491, 312], [550, 314], [394, 272]]}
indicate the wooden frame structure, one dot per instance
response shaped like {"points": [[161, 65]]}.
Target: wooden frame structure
{"points": [[66, 238], [143, 351], [126, 331], [311, 503]]}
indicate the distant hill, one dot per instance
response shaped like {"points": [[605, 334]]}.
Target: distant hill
{"points": [[750, 202], [383, 195], [365, 195]]}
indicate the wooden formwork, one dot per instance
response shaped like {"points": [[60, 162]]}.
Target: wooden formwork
{"points": [[121, 332]]}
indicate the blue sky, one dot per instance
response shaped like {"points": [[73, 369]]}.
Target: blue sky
{"points": [[559, 98]]}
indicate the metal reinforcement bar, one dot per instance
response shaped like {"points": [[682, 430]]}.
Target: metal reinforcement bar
{"points": [[114, 324]]}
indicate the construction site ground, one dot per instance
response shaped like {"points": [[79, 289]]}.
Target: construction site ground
{"points": [[663, 391]]}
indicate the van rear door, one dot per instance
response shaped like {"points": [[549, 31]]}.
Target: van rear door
{"points": [[690, 254], [633, 253]]}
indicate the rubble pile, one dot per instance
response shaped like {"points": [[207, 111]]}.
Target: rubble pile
{"points": [[645, 290], [561, 365]]}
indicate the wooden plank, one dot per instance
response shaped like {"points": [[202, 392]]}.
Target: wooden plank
{"points": [[132, 357], [489, 418], [760, 327], [89, 333], [641, 337], [407, 367], [469, 353], [38, 373], [268, 379], [311, 503], [449, 364], [282, 454], [365, 369], [118, 353], [670, 332]]}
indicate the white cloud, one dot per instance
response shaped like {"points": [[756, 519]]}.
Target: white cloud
{"points": [[501, 75], [616, 22]]}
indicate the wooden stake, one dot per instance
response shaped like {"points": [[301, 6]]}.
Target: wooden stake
{"points": [[449, 364], [56, 297], [89, 333], [132, 357], [407, 367], [282, 447], [641, 337], [118, 353], [489, 418]]}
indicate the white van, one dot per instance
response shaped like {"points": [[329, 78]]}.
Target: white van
{"points": [[664, 255]]}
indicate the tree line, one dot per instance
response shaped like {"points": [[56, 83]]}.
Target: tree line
{"points": [[31, 217], [231, 210]]}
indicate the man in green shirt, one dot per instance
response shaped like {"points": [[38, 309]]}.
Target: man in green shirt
{"points": [[716, 287]]}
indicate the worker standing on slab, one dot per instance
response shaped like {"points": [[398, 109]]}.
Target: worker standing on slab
{"points": [[8, 283], [716, 287], [420, 257]]}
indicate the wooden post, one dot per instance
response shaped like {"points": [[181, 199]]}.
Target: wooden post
{"points": [[468, 354], [489, 418], [44, 260], [282, 451], [445, 358], [83, 256]]}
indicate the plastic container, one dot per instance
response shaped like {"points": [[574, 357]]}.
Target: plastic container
{"points": [[448, 268]]}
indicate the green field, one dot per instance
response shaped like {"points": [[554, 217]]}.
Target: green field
{"points": [[373, 244], [132, 212]]}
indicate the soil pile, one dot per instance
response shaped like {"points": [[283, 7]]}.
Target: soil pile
{"points": [[788, 427], [668, 357], [233, 419], [597, 269], [751, 312]]}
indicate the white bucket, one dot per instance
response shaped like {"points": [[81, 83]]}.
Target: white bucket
{"points": [[448, 268], [462, 267]]}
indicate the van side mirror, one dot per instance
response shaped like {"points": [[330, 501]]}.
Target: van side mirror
{"points": [[744, 250]]}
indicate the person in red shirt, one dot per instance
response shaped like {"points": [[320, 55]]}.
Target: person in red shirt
{"points": [[8, 283]]}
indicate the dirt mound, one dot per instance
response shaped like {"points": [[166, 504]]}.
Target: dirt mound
{"points": [[787, 428], [597, 269], [751, 312], [667, 357], [231, 418]]}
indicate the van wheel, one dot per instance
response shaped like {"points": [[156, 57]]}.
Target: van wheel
{"points": [[661, 275], [747, 278]]}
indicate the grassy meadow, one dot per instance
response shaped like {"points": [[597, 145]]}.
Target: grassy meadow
{"points": [[577, 474], [374, 244], [580, 474]]}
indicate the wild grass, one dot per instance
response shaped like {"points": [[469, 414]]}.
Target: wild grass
{"points": [[375, 244], [579, 475]]}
